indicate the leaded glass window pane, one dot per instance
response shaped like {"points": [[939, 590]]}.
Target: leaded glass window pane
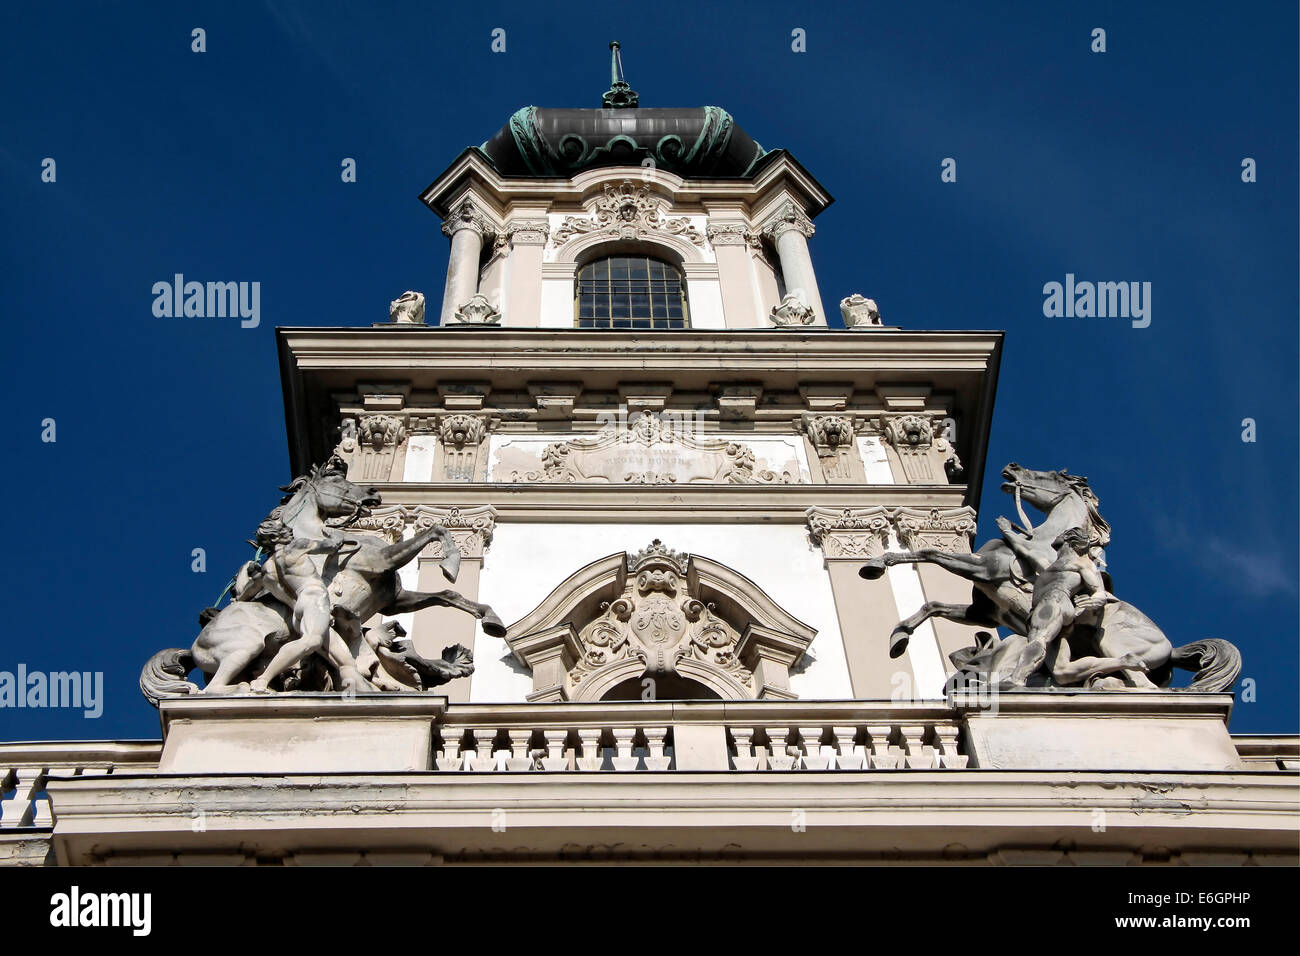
{"points": [[630, 292]]}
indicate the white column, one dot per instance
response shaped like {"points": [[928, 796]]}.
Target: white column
{"points": [[790, 231], [466, 229]]}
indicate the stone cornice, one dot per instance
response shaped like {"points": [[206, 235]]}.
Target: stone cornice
{"points": [[779, 172], [666, 504], [392, 350]]}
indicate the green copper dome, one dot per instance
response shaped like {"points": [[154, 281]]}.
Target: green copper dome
{"points": [[701, 142]]}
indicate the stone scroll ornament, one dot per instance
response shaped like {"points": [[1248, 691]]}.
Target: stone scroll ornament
{"points": [[1047, 585], [325, 565]]}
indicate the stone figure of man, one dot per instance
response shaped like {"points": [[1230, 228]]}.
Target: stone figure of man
{"points": [[302, 583], [1065, 588]]}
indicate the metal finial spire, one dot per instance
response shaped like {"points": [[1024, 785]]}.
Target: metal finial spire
{"points": [[620, 95]]}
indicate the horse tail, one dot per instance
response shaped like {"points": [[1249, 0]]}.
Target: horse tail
{"points": [[164, 675], [1217, 664]]}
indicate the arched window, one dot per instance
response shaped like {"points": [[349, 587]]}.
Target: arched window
{"points": [[630, 292]]}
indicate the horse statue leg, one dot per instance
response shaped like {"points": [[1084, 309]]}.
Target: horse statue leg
{"points": [[973, 567], [418, 600], [972, 613]]}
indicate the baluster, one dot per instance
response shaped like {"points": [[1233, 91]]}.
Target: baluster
{"points": [[950, 759], [20, 810], [851, 756], [484, 757], [623, 742], [556, 758], [654, 739], [593, 757], [780, 754], [813, 758], [920, 756], [519, 757], [450, 757], [884, 755], [745, 758]]}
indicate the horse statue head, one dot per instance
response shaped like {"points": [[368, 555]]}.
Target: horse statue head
{"points": [[325, 494], [1046, 490]]}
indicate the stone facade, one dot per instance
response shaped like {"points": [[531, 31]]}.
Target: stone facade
{"points": [[671, 525]]}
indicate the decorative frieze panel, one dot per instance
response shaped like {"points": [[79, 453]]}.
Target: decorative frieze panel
{"points": [[650, 451], [626, 211]]}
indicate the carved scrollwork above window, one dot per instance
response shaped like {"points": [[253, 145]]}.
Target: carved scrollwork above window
{"points": [[627, 211], [659, 614]]}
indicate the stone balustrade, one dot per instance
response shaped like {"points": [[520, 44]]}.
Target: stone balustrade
{"points": [[747, 736], [24, 768]]}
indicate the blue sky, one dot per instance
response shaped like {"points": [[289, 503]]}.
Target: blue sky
{"points": [[1122, 166]]}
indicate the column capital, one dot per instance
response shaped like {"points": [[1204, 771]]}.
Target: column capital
{"points": [[788, 216], [466, 215]]}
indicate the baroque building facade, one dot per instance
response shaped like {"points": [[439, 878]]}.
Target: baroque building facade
{"points": [[663, 469]]}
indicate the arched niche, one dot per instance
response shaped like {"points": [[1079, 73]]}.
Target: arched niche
{"points": [[680, 621]]}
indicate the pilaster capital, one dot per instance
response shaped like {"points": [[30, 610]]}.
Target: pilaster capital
{"points": [[732, 234], [940, 529], [472, 528], [849, 533], [522, 232]]}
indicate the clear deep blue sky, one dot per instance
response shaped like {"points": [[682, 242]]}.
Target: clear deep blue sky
{"points": [[225, 166]]}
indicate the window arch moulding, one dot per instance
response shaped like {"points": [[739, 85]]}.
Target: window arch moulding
{"points": [[659, 613]]}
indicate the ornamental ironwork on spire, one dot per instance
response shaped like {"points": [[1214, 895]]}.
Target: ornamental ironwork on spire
{"points": [[620, 96]]}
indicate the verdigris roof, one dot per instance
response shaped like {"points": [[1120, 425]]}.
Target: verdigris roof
{"points": [[693, 143], [700, 142]]}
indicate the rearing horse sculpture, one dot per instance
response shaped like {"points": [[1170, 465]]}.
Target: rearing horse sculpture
{"points": [[1123, 639], [361, 580]]}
